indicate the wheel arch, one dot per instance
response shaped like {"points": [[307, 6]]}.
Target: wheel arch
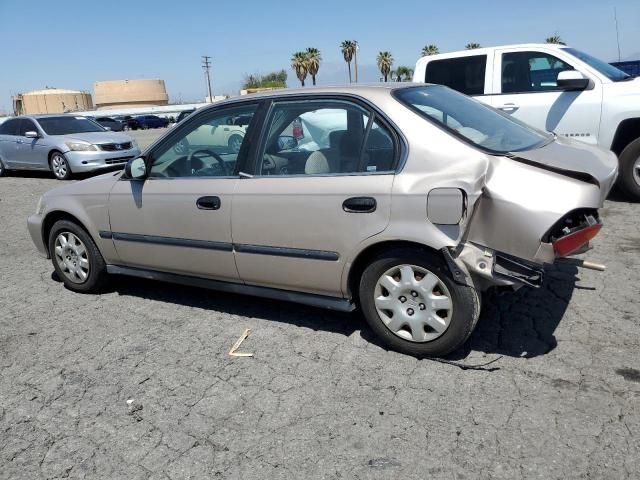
{"points": [[52, 217], [364, 257], [628, 131]]}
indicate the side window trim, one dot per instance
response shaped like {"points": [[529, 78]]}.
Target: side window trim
{"points": [[186, 125], [259, 140], [498, 71]]}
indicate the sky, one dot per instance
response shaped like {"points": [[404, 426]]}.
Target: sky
{"points": [[73, 43]]}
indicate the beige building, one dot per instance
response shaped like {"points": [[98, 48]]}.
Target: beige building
{"points": [[130, 93], [51, 100]]}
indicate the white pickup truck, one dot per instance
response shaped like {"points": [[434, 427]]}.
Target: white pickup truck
{"points": [[554, 88]]}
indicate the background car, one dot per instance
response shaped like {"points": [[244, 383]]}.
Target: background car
{"points": [[184, 114], [408, 202], [111, 123], [63, 144], [129, 122], [151, 121]]}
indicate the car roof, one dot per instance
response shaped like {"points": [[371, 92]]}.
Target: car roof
{"points": [[486, 50]]}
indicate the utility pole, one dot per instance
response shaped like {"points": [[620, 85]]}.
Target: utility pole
{"points": [[206, 66], [615, 18]]}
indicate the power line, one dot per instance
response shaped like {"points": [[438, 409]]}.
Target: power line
{"points": [[206, 66], [615, 18]]}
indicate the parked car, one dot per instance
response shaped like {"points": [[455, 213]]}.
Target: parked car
{"points": [[152, 121], [554, 88], [111, 123], [64, 144], [129, 122], [228, 136], [415, 200], [184, 114]]}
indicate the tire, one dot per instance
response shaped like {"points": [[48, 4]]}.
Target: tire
{"points": [[455, 321], [64, 260], [3, 170], [235, 142], [629, 176], [59, 166]]}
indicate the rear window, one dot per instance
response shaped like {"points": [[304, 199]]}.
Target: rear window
{"points": [[471, 120], [464, 74], [68, 125]]}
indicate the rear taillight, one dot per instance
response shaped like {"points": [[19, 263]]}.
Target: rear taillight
{"points": [[572, 242]]}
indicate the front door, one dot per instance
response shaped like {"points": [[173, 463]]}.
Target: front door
{"points": [[526, 82], [178, 220], [321, 185]]}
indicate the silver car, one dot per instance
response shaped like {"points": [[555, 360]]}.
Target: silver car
{"points": [[64, 144], [406, 201]]}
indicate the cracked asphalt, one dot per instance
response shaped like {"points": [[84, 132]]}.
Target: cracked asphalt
{"points": [[137, 383]]}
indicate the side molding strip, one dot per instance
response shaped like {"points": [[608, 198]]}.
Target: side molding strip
{"points": [[287, 252], [331, 303]]}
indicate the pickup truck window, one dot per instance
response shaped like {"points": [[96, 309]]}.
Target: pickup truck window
{"points": [[464, 74], [524, 72], [472, 121], [609, 71]]}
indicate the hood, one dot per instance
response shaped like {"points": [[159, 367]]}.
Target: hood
{"points": [[98, 185], [575, 159], [100, 137]]}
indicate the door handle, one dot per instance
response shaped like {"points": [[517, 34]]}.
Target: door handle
{"points": [[509, 107], [359, 205], [208, 203]]}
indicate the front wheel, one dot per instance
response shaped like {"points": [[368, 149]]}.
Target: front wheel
{"points": [[76, 258], [629, 177], [60, 166], [412, 303]]}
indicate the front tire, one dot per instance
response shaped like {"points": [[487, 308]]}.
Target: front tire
{"points": [[59, 166], [412, 303], [629, 179], [76, 258]]}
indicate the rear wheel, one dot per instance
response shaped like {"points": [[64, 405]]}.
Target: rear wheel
{"points": [[59, 166], [3, 170], [76, 258], [412, 303], [629, 177]]}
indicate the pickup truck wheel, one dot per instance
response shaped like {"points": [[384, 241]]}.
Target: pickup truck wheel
{"points": [[76, 258], [629, 176], [412, 303]]}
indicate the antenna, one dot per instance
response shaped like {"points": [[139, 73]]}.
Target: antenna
{"points": [[206, 66], [615, 18]]}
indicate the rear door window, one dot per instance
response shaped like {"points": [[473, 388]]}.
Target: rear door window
{"points": [[9, 127], [464, 74]]}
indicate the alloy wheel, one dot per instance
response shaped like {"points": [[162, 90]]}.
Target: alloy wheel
{"points": [[59, 165], [235, 143], [72, 257], [413, 303], [636, 171]]}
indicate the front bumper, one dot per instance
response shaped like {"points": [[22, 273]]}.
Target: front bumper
{"points": [[34, 224], [98, 160]]}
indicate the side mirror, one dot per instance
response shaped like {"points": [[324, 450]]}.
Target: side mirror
{"points": [[31, 134], [287, 142], [136, 169], [572, 80]]}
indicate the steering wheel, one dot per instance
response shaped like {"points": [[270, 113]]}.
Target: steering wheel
{"points": [[198, 154]]}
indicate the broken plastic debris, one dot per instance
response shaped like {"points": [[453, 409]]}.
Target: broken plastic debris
{"points": [[236, 345]]}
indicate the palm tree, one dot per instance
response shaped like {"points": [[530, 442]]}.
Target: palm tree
{"points": [[555, 39], [402, 74], [313, 62], [385, 61], [430, 50], [472, 46], [300, 64], [348, 48]]}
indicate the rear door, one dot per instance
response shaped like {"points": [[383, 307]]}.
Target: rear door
{"points": [[525, 86], [310, 203]]}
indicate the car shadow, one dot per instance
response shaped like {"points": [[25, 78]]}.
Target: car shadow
{"points": [[516, 324]]}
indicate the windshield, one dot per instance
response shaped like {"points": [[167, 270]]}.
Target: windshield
{"points": [[609, 71], [68, 125], [471, 120]]}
